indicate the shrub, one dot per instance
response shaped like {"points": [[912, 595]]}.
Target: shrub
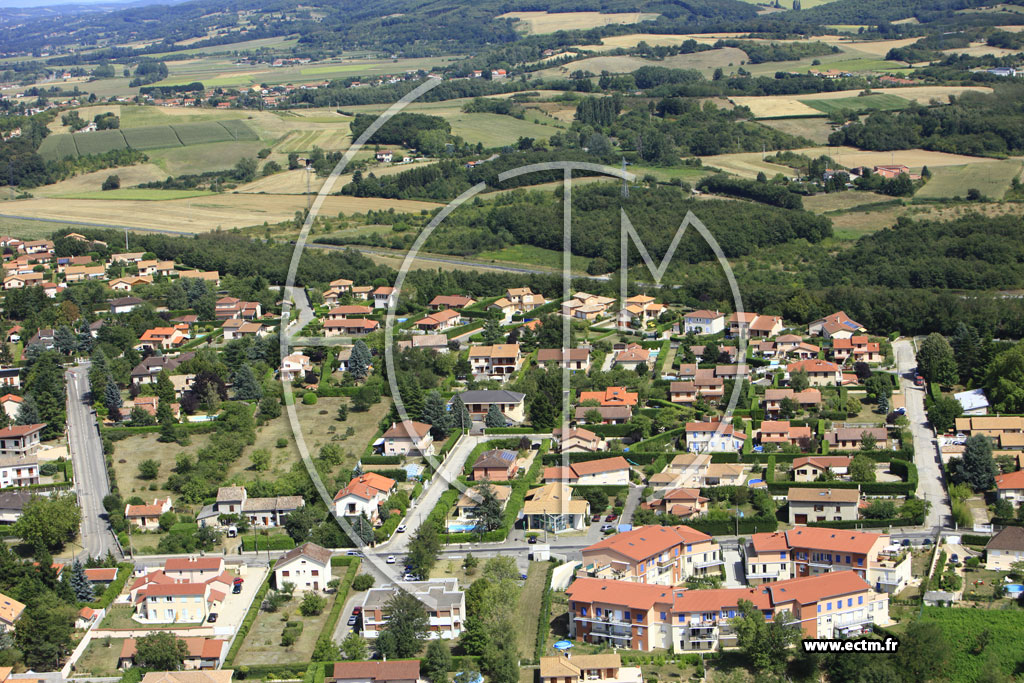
{"points": [[309, 399], [363, 582], [312, 604]]}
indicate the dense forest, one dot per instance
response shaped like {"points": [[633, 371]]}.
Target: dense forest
{"points": [[974, 123]]}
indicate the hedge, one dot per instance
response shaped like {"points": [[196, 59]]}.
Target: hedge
{"points": [[341, 597], [747, 525], [110, 593], [381, 459], [478, 450], [397, 475], [510, 430], [975, 539], [118, 433], [662, 440], [463, 329], [250, 616], [864, 523], [544, 619], [268, 671], [637, 458], [619, 492], [275, 542]]}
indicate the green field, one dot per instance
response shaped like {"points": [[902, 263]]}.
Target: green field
{"points": [[138, 194], [992, 179], [146, 138], [495, 130], [530, 255], [962, 629], [880, 101]]}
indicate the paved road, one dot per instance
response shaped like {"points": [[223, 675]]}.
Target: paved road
{"points": [[91, 483], [298, 295], [926, 453]]}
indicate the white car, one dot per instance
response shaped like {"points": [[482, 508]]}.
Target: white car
{"points": [[401, 529], [391, 559]]}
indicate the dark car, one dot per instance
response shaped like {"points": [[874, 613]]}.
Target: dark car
{"points": [[926, 541], [236, 589], [357, 610], [595, 518], [531, 540], [905, 542], [611, 518], [212, 618]]}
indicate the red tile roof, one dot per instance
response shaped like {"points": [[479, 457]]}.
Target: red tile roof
{"points": [[823, 538], [1011, 480], [648, 541], [634, 595], [395, 670], [177, 564]]}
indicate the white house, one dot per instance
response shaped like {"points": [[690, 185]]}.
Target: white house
{"points": [[703, 322], [308, 567], [1005, 548], [710, 437], [363, 495], [295, 366], [408, 438]]}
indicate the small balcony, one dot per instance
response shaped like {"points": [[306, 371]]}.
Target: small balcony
{"points": [[763, 575], [708, 563]]}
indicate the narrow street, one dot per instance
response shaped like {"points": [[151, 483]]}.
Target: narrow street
{"points": [[931, 486], [86, 450]]}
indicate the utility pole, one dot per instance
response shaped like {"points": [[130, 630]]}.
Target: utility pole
{"points": [[625, 183]]}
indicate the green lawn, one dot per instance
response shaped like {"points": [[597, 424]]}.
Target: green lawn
{"points": [[100, 657], [991, 178], [881, 101], [497, 130], [28, 229], [962, 629], [137, 194], [120, 617], [529, 607]]}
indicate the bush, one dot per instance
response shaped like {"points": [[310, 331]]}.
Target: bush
{"points": [[312, 604], [363, 582], [309, 399]]}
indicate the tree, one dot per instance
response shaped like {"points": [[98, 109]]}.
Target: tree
{"points": [[354, 646], [436, 415], [112, 182], [460, 417], [362, 582], [299, 523], [966, 349], [788, 408], [245, 169], [260, 460], [325, 650], [544, 413], [167, 520], [424, 549], [161, 651], [494, 417], [765, 644], [798, 380], [492, 332], [43, 634], [112, 398], [976, 468], [406, 628], [83, 587], [881, 509], [488, 510], [312, 604], [878, 386], [359, 360], [924, 652], [862, 468], [935, 360], [868, 441], [64, 340], [28, 412], [270, 406], [437, 662], [943, 412], [149, 469], [247, 387], [503, 568], [48, 522]]}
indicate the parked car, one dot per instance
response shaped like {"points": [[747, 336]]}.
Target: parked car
{"points": [[522, 577], [401, 529], [354, 553], [905, 542], [531, 540], [352, 620], [212, 618], [611, 518], [357, 610], [926, 541], [606, 527], [391, 559], [954, 558], [236, 589], [595, 518]]}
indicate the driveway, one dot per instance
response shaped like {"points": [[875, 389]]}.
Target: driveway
{"points": [[305, 312]]}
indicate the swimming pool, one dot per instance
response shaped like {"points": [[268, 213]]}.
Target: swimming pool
{"points": [[460, 527], [1014, 588]]}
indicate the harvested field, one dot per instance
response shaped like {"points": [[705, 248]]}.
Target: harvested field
{"points": [[914, 158], [201, 214], [814, 129], [707, 60], [547, 22], [992, 180], [781, 106], [881, 102]]}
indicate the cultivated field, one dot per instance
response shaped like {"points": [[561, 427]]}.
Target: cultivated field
{"points": [[329, 140], [201, 158], [992, 180], [200, 214], [746, 164], [914, 158], [703, 61], [883, 102], [91, 182], [545, 22], [781, 106], [814, 129], [145, 138]]}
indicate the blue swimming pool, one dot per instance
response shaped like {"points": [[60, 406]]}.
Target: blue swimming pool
{"points": [[1014, 588], [459, 527]]}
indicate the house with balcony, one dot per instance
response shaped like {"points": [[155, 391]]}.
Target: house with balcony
{"points": [[712, 437], [407, 438], [810, 467], [511, 404], [446, 301], [852, 438], [823, 504], [1004, 549], [612, 396], [641, 310], [858, 348], [578, 440], [162, 338], [363, 495], [497, 362], [682, 502], [1010, 487], [466, 505], [709, 385], [193, 569], [783, 433], [703, 322], [444, 601], [605, 667], [820, 373], [575, 360], [551, 507], [808, 399], [584, 306], [601, 472], [665, 555], [147, 517], [153, 268], [295, 366], [384, 297], [175, 603], [835, 326], [524, 299], [18, 470]]}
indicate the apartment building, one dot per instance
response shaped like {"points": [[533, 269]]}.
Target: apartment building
{"points": [[445, 603], [666, 555], [823, 504]]}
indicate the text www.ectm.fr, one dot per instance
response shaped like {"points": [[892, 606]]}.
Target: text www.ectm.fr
{"points": [[825, 645]]}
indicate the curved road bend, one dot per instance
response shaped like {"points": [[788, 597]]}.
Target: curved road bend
{"points": [[86, 450]]}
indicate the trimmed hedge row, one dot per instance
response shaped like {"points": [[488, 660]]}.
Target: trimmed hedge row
{"points": [[611, 490], [864, 523], [250, 617], [381, 460], [110, 593], [118, 433], [639, 458], [510, 430], [747, 525], [613, 431], [661, 440], [543, 620], [975, 539], [341, 597]]}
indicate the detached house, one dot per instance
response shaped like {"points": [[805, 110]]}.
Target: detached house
{"points": [[446, 301], [807, 399], [851, 438], [295, 366], [703, 322], [612, 396], [820, 373], [823, 505], [163, 338], [605, 471], [408, 438], [782, 432], [363, 495], [858, 348], [496, 362], [573, 359], [809, 468], [579, 440], [229, 307], [710, 437], [495, 465], [307, 567], [384, 297], [1001, 552], [511, 404], [632, 357], [440, 321], [523, 299], [836, 326], [147, 516]]}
